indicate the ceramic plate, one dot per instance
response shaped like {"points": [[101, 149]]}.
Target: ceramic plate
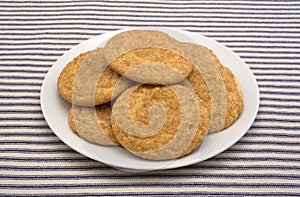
{"points": [[55, 109]]}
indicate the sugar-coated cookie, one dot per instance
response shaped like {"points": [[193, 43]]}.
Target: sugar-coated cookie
{"points": [[159, 122], [207, 82], [128, 40], [93, 124], [234, 95], [87, 81], [152, 65]]}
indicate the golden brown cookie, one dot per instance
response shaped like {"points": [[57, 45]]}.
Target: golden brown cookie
{"points": [[207, 82], [159, 122], [216, 85], [87, 81], [93, 124], [152, 65], [128, 40], [234, 95]]}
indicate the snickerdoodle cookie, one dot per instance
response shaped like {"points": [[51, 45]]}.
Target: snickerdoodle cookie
{"points": [[159, 122], [87, 81], [93, 124], [152, 65]]}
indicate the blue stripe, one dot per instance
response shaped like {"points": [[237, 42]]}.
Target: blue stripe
{"points": [[256, 36], [256, 159], [11, 97], [29, 45], [99, 31], [24, 65], [277, 127], [80, 3], [277, 80], [195, 167], [156, 25], [21, 119], [27, 111], [175, 9], [248, 142], [258, 46], [20, 77], [24, 127], [280, 106], [21, 84], [32, 151], [161, 11], [275, 135], [144, 176], [231, 150], [26, 134], [218, 158], [269, 150], [34, 48], [21, 90], [261, 112], [173, 193], [152, 6], [33, 53], [28, 59], [279, 86], [40, 159], [93, 16], [32, 142], [158, 18], [276, 68], [279, 99], [277, 92], [269, 57], [274, 63], [152, 184], [275, 120], [23, 71], [174, 19]]}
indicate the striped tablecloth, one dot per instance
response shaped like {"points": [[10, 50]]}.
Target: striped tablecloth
{"points": [[34, 34]]}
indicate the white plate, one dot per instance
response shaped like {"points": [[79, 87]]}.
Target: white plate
{"points": [[55, 109]]}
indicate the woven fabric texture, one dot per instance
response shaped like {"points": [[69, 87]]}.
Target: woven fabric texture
{"points": [[34, 34]]}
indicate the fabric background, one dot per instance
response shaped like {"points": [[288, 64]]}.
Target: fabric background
{"points": [[34, 34]]}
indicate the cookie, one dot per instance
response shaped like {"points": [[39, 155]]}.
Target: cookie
{"points": [[93, 124], [234, 95], [128, 40], [152, 65], [159, 122], [207, 82], [87, 81]]}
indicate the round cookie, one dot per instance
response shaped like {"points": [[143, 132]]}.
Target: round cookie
{"points": [[128, 40], [234, 95], [93, 124], [207, 82], [152, 65], [159, 122], [87, 81]]}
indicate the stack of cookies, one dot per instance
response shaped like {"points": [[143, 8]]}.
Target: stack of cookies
{"points": [[149, 93]]}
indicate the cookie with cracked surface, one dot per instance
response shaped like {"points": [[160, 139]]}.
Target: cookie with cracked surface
{"points": [[159, 122], [152, 65], [87, 81], [129, 40], [93, 124], [207, 82], [234, 94], [216, 85]]}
